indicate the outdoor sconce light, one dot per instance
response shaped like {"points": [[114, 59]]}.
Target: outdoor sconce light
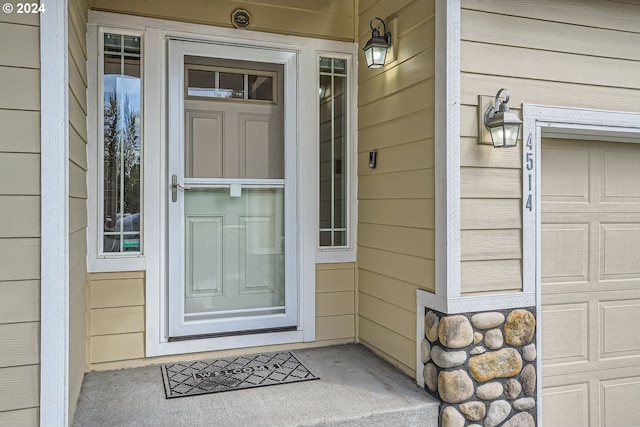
{"points": [[375, 51], [503, 125]]}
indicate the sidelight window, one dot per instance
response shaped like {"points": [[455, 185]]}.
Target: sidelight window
{"points": [[121, 144]]}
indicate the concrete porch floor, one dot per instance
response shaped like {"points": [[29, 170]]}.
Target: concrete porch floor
{"points": [[356, 388]]}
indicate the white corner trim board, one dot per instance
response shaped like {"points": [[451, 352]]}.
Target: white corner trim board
{"points": [[54, 263], [447, 148]]}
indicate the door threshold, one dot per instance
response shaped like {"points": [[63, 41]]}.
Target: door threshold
{"points": [[235, 333]]}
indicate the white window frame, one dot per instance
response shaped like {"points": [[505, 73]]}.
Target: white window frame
{"points": [[99, 261], [156, 185], [347, 253]]}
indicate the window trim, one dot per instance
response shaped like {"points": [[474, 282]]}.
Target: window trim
{"points": [[341, 254], [99, 261]]}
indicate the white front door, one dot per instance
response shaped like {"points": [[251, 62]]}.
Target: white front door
{"points": [[232, 210]]}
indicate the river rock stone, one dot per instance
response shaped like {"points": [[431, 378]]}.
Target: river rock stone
{"points": [[477, 337], [529, 352], [474, 411], [522, 419], [447, 359], [477, 350], [528, 378], [512, 389], [454, 386], [498, 412], [493, 339], [524, 404], [452, 418], [503, 363], [519, 328], [425, 350], [489, 391], [455, 331], [487, 320], [430, 373], [431, 322]]}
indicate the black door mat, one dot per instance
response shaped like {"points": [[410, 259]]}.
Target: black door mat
{"points": [[233, 373]]}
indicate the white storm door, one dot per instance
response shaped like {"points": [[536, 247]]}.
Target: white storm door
{"points": [[232, 252]]}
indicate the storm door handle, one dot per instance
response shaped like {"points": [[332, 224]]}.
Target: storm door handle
{"points": [[174, 188]]}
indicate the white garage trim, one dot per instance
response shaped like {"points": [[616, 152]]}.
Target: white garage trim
{"points": [[562, 122]]}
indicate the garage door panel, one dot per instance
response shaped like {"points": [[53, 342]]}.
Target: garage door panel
{"points": [[565, 333], [565, 174], [619, 402], [565, 252], [566, 405], [621, 175], [619, 251], [619, 326], [590, 283]]}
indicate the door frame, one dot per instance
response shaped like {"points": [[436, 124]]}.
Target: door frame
{"points": [[154, 33], [560, 122], [177, 50]]}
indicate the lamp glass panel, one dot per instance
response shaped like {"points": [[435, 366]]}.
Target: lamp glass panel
{"points": [[368, 54], [511, 132], [497, 136], [379, 55]]}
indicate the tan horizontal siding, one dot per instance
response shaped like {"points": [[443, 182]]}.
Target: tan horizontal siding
{"points": [[418, 213], [19, 174], [415, 184], [20, 219], [491, 275], [387, 342], [404, 240], [398, 158], [20, 418], [78, 219], [20, 216], [410, 128], [19, 387], [392, 317], [116, 316], [20, 45], [335, 301], [122, 292], [333, 20], [490, 244], [20, 259], [619, 16], [20, 88], [396, 238], [576, 54], [107, 348], [21, 344], [20, 131], [19, 301]]}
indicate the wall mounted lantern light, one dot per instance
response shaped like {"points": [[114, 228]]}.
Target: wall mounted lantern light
{"points": [[503, 125], [375, 51]]}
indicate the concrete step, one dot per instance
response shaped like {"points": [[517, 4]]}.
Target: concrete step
{"points": [[356, 388]]}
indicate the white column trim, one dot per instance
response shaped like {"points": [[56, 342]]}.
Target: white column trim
{"points": [[447, 150], [54, 182]]}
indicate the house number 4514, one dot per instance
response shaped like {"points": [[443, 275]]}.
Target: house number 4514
{"points": [[528, 160]]}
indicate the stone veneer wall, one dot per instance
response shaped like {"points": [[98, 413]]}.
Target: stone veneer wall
{"points": [[482, 367]]}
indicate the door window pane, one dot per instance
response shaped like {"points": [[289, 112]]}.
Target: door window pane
{"points": [[122, 108]]}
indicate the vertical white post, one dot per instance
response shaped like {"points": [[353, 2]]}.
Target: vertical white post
{"points": [[54, 178]]}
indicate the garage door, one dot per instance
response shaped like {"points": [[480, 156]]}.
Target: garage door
{"points": [[590, 283]]}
